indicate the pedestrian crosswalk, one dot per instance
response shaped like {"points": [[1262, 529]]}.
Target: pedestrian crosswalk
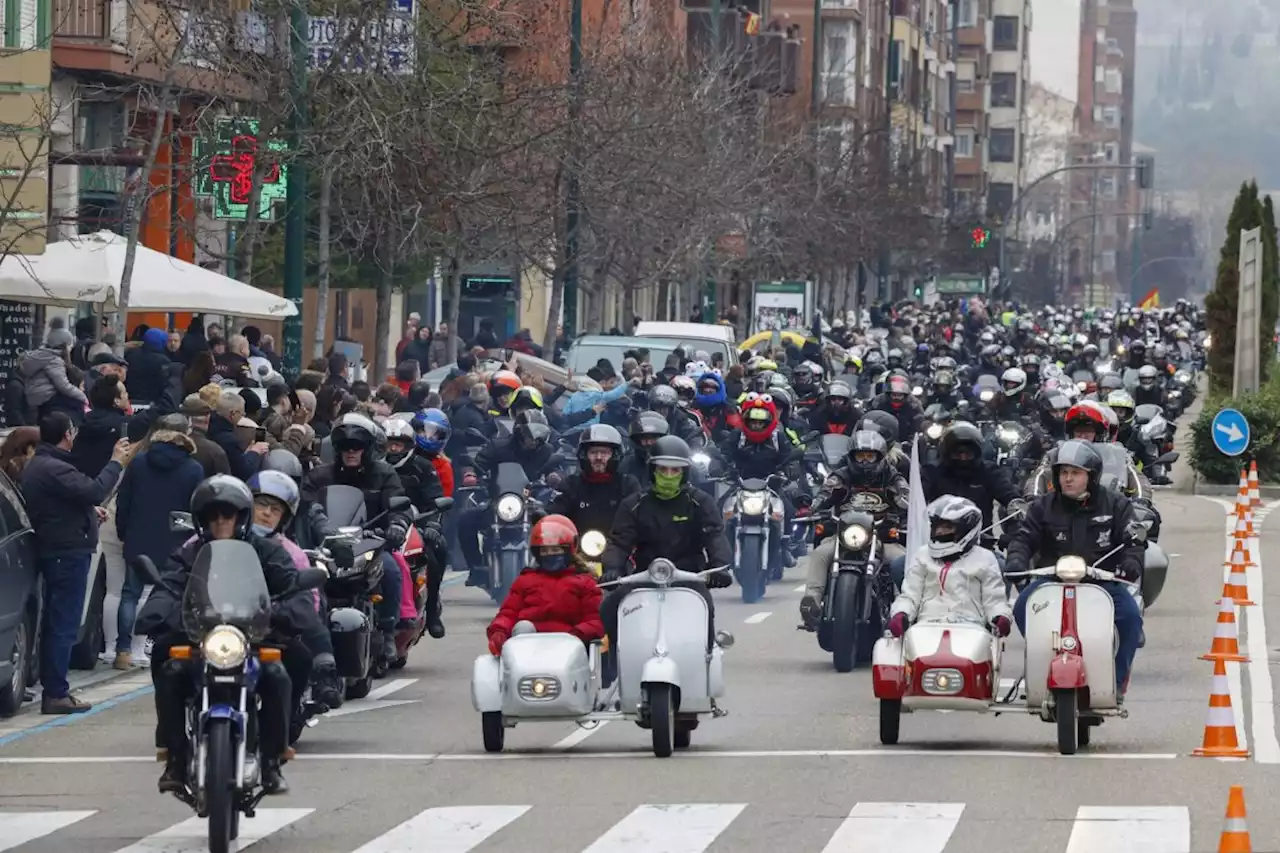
{"points": [[868, 827]]}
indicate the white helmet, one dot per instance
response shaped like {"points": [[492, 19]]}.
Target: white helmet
{"points": [[1014, 381], [397, 429], [954, 526]]}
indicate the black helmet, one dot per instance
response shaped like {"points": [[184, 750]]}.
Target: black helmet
{"points": [[355, 432], [1078, 454], [670, 451], [663, 399], [881, 422], [599, 435], [531, 427], [961, 434], [648, 424], [222, 490], [283, 461], [865, 441]]}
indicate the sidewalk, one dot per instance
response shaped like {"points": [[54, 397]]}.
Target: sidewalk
{"points": [[97, 685]]}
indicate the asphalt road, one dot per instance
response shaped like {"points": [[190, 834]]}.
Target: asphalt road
{"points": [[796, 766]]}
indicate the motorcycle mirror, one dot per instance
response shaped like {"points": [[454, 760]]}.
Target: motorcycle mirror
{"points": [[310, 579], [181, 522], [399, 504], [724, 639], [145, 568], [809, 436], [475, 433], [1137, 532], [444, 504], [1169, 458]]}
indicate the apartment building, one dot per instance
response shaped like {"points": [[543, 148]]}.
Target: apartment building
{"points": [[969, 19], [1007, 89], [1101, 196], [26, 115], [919, 79]]}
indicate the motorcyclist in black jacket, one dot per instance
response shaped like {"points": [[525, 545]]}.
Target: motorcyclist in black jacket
{"points": [[1080, 518], [898, 401], [221, 509], [866, 469], [646, 428], [355, 441], [529, 447], [591, 497], [672, 520], [664, 400], [422, 486], [837, 413]]}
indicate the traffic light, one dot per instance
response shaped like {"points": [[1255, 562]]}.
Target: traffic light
{"points": [[1145, 168], [979, 237], [918, 291]]}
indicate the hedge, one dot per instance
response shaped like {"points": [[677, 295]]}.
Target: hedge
{"points": [[1262, 410]]}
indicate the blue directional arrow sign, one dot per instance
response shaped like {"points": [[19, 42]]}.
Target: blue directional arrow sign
{"points": [[1230, 432]]}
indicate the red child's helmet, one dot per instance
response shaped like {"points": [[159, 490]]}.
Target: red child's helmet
{"points": [[553, 531]]}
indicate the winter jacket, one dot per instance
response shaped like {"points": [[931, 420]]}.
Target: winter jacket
{"points": [[223, 433], [149, 362], [688, 530], [61, 500], [970, 589], [566, 602], [444, 471], [590, 393], [592, 506], [158, 481], [1055, 526], [757, 461], [378, 481], [97, 437], [233, 366], [44, 373], [418, 350], [438, 353], [210, 455]]}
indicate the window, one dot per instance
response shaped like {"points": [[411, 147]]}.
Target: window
{"points": [[1002, 145], [23, 23], [1102, 35], [964, 143], [1107, 186], [1114, 82], [964, 84], [840, 62], [1004, 89], [1006, 32], [968, 13], [1106, 262], [963, 201], [999, 200], [1111, 116], [1106, 226], [1111, 152]]}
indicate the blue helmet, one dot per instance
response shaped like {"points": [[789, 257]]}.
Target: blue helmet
{"points": [[431, 430]]}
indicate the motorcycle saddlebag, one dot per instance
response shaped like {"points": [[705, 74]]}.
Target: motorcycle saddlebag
{"points": [[351, 634]]}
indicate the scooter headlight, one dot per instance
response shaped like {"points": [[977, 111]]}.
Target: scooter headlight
{"points": [[538, 687], [662, 571], [753, 503], [942, 682], [225, 647], [934, 432], [510, 507], [1071, 569], [855, 536], [593, 543]]}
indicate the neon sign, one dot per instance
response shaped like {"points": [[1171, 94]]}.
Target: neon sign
{"points": [[224, 167]]}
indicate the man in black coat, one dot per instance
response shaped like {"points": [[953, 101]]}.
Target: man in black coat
{"points": [[65, 508]]}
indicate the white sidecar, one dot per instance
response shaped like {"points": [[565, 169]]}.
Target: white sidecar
{"points": [[666, 677]]}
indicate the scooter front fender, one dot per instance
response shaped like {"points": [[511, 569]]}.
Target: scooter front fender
{"points": [[486, 684], [1067, 672], [660, 671]]}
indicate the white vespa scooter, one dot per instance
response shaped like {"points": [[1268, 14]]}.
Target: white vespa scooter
{"points": [[1069, 670], [667, 678]]}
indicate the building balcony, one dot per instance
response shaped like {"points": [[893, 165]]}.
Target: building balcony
{"points": [[971, 101], [972, 36]]}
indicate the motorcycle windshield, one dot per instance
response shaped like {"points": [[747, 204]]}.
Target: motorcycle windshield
{"points": [[226, 586], [510, 479], [345, 506], [834, 449], [1147, 412], [1115, 465]]}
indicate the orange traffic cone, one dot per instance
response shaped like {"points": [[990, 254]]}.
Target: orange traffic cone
{"points": [[1236, 588], [1235, 830], [1226, 637], [1220, 726], [1244, 522], [1255, 494], [1242, 489]]}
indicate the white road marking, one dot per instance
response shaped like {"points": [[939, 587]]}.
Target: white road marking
{"points": [[17, 828], [1262, 712], [901, 827], [757, 618], [192, 835], [376, 699], [800, 588], [455, 829], [102, 686], [578, 736], [686, 828], [1131, 829]]}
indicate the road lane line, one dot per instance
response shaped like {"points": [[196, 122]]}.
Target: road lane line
{"points": [[901, 827], [685, 828], [192, 835], [1262, 712], [454, 829], [757, 618], [17, 828], [579, 736], [1131, 829]]}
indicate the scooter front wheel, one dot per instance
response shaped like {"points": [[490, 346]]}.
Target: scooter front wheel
{"points": [[890, 720], [1065, 714], [662, 718]]}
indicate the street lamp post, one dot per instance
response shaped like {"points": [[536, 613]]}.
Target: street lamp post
{"points": [[572, 200], [295, 224]]}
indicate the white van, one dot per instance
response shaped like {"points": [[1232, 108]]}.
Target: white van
{"points": [[709, 336]]}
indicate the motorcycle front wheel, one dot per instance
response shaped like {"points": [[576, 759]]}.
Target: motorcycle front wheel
{"points": [[845, 610], [752, 571], [219, 785]]}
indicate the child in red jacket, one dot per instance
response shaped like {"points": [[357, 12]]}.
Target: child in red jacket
{"points": [[558, 594]]}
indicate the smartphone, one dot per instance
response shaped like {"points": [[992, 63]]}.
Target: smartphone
{"points": [[260, 434]]}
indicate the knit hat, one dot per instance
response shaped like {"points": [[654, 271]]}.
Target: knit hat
{"points": [[58, 336]]}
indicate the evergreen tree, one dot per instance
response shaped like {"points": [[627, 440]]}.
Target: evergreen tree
{"points": [[1221, 302], [1270, 295]]}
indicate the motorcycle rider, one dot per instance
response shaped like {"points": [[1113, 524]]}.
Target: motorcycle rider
{"points": [[887, 425], [837, 414], [646, 428], [1082, 519], [1150, 391], [866, 469], [1015, 402], [422, 486], [664, 400], [222, 509], [897, 401], [953, 578], [355, 439], [590, 498], [943, 391], [672, 520], [719, 416], [758, 452]]}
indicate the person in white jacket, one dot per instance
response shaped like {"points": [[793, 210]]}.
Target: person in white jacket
{"points": [[953, 579]]}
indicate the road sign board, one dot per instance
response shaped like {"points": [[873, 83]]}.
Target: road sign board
{"points": [[1230, 432]]}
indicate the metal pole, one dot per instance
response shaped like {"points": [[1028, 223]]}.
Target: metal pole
{"points": [[954, 6], [1137, 258], [882, 287], [1093, 230], [572, 188], [295, 224], [815, 87]]}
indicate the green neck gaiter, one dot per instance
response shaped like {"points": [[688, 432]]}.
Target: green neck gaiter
{"points": [[667, 486]]}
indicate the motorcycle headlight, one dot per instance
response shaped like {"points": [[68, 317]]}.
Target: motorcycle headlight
{"points": [[593, 543], [1208, 342], [701, 460], [917, 391], [934, 432], [855, 536], [225, 647], [1175, 394], [752, 503], [1083, 386], [986, 396], [1183, 377], [1008, 437], [510, 507]]}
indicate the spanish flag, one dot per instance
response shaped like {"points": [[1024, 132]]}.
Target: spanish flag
{"points": [[1151, 300], [752, 27]]}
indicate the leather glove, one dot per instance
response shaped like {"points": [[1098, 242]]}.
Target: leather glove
{"points": [[1002, 626], [898, 624], [396, 533], [719, 580], [610, 576], [496, 639]]}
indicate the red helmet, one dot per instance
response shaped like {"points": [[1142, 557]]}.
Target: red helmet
{"points": [[756, 428], [553, 531], [1087, 413]]}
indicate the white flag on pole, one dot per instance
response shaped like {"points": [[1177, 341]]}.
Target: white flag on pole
{"points": [[917, 508]]}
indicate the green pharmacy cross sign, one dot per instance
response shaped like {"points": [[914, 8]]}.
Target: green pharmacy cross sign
{"points": [[224, 170]]}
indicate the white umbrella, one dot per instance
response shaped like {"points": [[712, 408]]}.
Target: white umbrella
{"points": [[89, 268]]}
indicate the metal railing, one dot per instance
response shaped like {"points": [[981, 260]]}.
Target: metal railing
{"points": [[82, 19]]}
